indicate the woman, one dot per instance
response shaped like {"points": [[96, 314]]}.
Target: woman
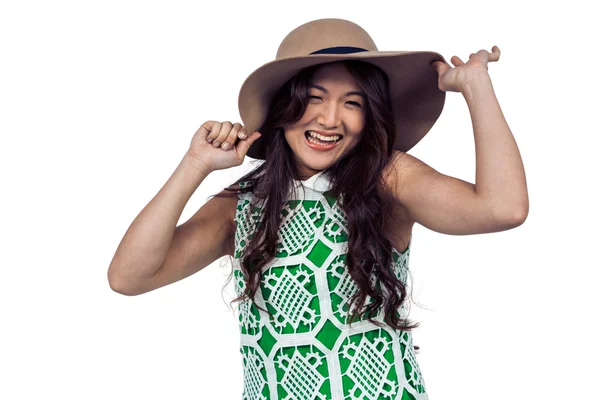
{"points": [[321, 231]]}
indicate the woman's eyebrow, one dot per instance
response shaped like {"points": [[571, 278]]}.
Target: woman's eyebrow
{"points": [[358, 93]]}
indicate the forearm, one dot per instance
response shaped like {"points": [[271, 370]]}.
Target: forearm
{"points": [[500, 175], [146, 243]]}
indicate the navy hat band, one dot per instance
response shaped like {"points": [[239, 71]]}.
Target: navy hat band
{"points": [[339, 50]]}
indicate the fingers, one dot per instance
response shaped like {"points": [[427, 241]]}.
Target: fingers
{"points": [[231, 136], [225, 134], [219, 133], [222, 134], [213, 128], [495, 56], [484, 54], [207, 127], [456, 61], [244, 145]]}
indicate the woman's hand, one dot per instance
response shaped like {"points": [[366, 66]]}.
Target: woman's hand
{"points": [[454, 79], [221, 145]]}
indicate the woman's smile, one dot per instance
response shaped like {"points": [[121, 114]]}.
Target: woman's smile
{"points": [[322, 142], [333, 120]]}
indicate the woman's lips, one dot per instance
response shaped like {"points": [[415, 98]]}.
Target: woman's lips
{"points": [[319, 147]]}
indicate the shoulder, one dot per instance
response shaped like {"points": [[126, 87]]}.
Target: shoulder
{"points": [[406, 172], [405, 177], [402, 168], [394, 176], [405, 163]]}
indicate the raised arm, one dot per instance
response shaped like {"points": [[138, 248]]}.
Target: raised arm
{"points": [[154, 252], [498, 200]]}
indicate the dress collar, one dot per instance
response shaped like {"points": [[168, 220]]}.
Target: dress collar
{"points": [[319, 182]]}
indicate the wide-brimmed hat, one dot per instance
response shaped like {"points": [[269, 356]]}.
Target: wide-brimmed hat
{"points": [[417, 101]]}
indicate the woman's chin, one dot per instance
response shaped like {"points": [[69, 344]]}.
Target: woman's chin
{"points": [[313, 168]]}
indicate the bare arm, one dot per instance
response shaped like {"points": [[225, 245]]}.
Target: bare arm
{"points": [[144, 247], [497, 201], [500, 175], [154, 251]]}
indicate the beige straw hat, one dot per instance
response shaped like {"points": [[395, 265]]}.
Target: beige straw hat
{"points": [[416, 99]]}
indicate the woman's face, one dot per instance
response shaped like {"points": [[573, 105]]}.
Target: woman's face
{"points": [[336, 106]]}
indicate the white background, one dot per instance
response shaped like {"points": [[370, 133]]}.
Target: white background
{"points": [[98, 104]]}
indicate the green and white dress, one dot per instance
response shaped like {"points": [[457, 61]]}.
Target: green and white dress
{"points": [[307, 350]]}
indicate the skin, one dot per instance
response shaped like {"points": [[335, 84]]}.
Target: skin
{"points": [[498, 199], [335, 111], [332, 111]]}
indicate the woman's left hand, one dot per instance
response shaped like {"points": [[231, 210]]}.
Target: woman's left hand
{"points": [[454, 79]]}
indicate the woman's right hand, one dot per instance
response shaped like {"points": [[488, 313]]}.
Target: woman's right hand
{"points": [[221, 145]]}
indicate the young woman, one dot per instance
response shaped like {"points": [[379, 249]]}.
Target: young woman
{"points": [[320, 232]]}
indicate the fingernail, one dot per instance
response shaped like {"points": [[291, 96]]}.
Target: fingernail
{"points": [[216, 144], [209, 140], [225, 146], [242, 135]]}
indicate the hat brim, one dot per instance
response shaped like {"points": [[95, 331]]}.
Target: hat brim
{"points": [[416, 99]]}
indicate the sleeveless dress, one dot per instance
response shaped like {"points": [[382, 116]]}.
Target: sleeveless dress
{"points": [[307, 350]]}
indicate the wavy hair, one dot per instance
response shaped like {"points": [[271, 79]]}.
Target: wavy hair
{"points": [[357, 180]]}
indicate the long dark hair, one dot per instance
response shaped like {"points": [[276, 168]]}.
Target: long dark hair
{"points": [[357, 179]]}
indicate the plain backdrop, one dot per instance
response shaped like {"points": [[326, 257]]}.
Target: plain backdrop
{"points": [[98, 103]]}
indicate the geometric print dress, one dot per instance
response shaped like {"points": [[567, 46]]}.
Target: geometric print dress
{"points": [[306, 349]]}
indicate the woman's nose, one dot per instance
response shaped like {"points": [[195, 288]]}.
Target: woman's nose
{"points": [[329, 116]]}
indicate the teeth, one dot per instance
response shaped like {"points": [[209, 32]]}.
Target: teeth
{"points": [[333, 138]]}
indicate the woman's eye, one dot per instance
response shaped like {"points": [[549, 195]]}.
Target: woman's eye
{"points": [[355, 103], [314, 97]]}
